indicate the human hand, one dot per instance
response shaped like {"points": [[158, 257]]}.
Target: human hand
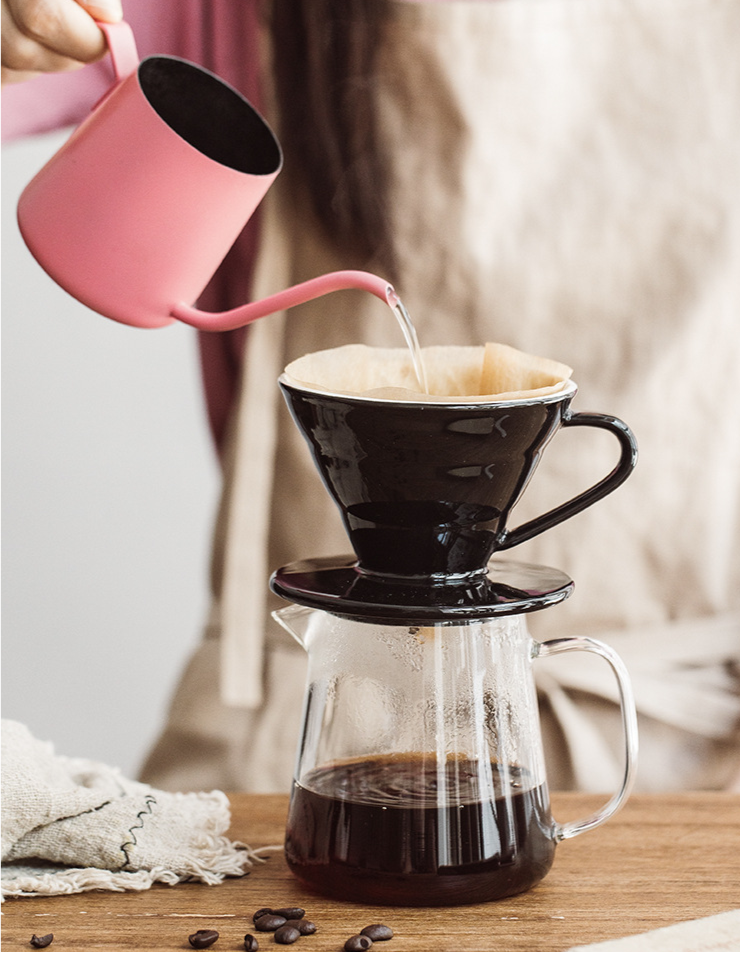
{"points": [[47, 36]]}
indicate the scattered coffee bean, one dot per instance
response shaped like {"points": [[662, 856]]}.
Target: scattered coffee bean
{"points": [[260, 912], [42, 941], [377, 932], [290, 913], [304, 926], [251, 944], [287, 934], [358, 943], [269, 923], [203, 938]]}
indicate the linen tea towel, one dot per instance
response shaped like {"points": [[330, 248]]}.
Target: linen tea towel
{"points": [[70, 825]]}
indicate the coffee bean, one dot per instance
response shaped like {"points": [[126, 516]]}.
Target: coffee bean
{"points": [[377, 932], [358, 943], [269, 923], [203, 938], [42, 941], [287, 934], [251, 944], [293, 912], [303, 925], [260, 912]]}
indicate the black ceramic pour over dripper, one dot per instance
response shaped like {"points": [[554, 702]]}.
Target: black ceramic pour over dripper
{"points": [[425, 491]]}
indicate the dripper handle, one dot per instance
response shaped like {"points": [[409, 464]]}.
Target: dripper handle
{"points": [[623, 469], [629, 725]]}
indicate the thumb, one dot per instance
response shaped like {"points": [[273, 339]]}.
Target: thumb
{"points": [[108, 11]]}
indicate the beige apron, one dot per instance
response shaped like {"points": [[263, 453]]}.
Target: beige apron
{"points": [[566, 179]]}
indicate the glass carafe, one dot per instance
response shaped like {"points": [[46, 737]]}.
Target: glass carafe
{"points": [[420, 776]]}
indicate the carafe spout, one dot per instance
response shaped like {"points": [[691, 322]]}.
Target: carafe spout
{"points": [[294, 619]]}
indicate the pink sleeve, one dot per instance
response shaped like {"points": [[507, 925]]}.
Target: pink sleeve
{"points": [[52, 101], [219, 34]]}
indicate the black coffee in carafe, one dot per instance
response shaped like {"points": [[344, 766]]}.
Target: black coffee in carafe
{"points": [[394, 830]]}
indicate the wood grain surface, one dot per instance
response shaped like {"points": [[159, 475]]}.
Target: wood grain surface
{"points": [[662, 859]]}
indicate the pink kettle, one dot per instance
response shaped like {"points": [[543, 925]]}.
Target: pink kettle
{"points": [[133, 215]]}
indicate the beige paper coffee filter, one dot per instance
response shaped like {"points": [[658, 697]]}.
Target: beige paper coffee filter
{"points": [[478, 373], [517, 374]]}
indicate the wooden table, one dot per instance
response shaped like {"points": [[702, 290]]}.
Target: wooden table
{"points": [[662, 859]]}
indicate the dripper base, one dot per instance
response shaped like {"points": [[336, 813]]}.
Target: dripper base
{"points": [[338, 586]]}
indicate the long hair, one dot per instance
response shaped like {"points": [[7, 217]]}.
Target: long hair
{"points": [[325, 60]]}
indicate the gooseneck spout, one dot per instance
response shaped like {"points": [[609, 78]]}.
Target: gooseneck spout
{"points": [[295, 295]]}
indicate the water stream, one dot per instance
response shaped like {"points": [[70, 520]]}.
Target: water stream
{"points": [[409, 333]]}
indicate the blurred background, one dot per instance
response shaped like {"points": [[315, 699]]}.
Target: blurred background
{"points": [[110, 485]]}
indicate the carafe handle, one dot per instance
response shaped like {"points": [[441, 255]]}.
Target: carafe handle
{"points": [[629, 725]]}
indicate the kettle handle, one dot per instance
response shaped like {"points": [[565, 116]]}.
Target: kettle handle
{"points": [[122, 48], [629, 725]]}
